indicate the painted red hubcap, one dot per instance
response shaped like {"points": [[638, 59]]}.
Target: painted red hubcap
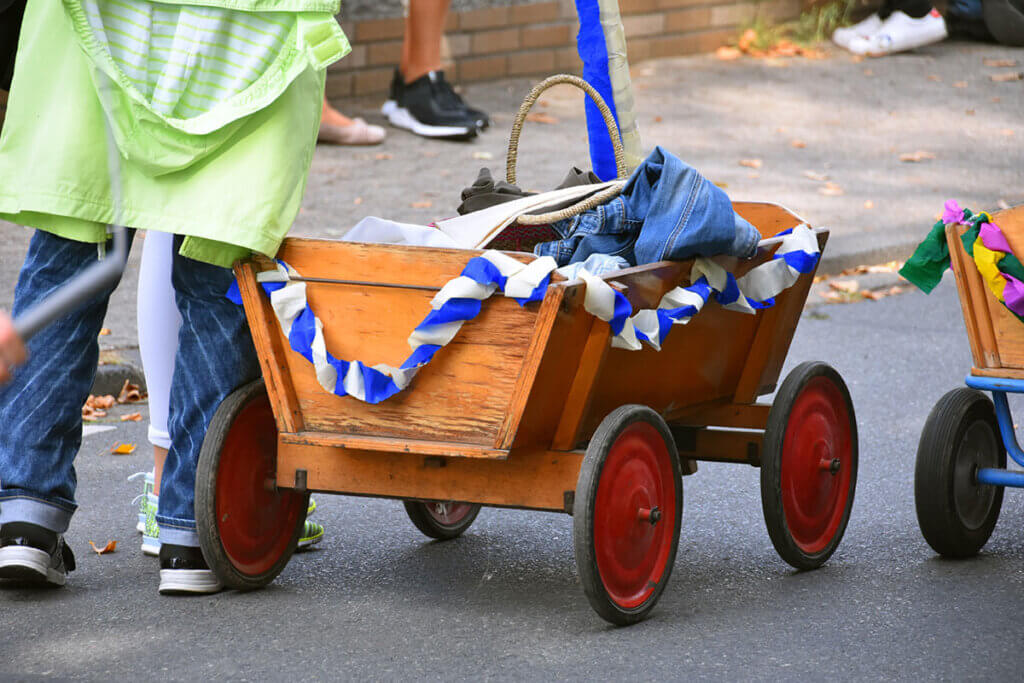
{"points": [[448, 514], [816, 465], [634, 514], [255, 518]]}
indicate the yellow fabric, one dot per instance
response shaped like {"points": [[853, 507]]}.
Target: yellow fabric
{"points": [[987, 261]]}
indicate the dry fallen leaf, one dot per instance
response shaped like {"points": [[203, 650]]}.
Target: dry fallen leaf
{"points": [[914, 157], [382, 156], [357, 201], [727, 54], [657, 119], [747, 40], [131, 417], [869, 72], [869, 204], [484, 156], [123, 449], [831, 189], [846, 286], [130, 393], [100, 402], [751, 163], [934, 77], [721, 184], [753, 175], [110, 547], [1007, 76], [541, 117], [426, 204], [104, 331], [814, 175], [857, 59], [799, 144], [1008, 132], [960, 84], [999, 62]]}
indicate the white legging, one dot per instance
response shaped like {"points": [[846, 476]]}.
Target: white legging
{"points": [[159, 323]]}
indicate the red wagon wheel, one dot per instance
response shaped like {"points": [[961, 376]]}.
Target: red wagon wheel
{"points": [[809, 465], [441, 520], [627, 511], [248, 528]]}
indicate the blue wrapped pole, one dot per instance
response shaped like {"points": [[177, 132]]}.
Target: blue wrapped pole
{"points": [[590, 43]]}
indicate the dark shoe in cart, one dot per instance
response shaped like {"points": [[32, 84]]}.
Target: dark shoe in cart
{"points": [[961, 459], [528, 407]]}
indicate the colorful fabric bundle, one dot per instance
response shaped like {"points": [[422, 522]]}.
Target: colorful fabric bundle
{"points": [[985, 242], [460, 300]]}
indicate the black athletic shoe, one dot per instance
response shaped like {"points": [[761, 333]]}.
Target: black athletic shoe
{"points": [[424, 108], [183, 571], [29, 553], [479, 117]]}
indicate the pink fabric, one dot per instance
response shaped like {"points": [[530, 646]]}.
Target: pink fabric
{"points": [[1013, 295], [993, 238], [952, 213]]}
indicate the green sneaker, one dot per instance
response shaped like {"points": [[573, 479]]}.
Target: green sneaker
{"points": [[312, 507], [151, 535], [312, 534], [147, 489]]}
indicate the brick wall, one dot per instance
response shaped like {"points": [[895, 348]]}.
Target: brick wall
{"points": [[538, 38]]}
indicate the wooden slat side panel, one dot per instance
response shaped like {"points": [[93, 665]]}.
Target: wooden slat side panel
{"points": [[977, 295], [267, 339], [546, 317], [722, 414], [558, 366], [1008, 329], [528, 479], [385, 444], [461, 396], [384, 263], [963, 288], [594, 353], [769, 219], [699, 362]]}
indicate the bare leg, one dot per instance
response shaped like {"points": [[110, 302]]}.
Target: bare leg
{"points": [[421, 47], [333, 117], [159, 455]]}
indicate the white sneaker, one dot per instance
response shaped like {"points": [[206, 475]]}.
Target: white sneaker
{"points": [[900, 33], [862, 29]]}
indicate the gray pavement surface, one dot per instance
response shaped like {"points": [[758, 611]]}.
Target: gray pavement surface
{"points": [[376, 600]]}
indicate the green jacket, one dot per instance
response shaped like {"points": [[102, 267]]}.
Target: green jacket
{"points": [[230, 177]]}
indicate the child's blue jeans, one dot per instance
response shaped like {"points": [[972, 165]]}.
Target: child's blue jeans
{"points": [[41, 409]]}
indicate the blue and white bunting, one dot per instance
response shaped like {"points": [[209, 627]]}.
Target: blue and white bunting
{"points": [[461, 300]]}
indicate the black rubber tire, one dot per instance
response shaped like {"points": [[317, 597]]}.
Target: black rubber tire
{"points": [[772, 460], [961, 434], [206, 482], [1005, 20], [584, 511], [433, 527]]}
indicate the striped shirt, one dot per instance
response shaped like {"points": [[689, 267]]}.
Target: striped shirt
{"points": [[186, 59]]}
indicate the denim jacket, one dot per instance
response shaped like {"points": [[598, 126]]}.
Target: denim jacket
{"points": [[667, 211]]}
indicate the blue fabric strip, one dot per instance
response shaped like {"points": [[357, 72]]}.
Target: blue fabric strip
{"points": [[593, 51]]}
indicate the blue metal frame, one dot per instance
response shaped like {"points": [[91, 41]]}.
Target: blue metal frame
{"points": [[1000, 387]]}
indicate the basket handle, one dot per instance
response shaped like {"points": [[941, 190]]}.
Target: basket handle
{"points": [[531, 99]]}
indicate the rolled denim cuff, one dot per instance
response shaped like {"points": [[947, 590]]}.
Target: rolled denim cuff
{"points": [[178, 531], [23, 508], [747, 237]]}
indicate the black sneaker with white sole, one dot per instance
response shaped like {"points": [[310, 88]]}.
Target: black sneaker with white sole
{"points": [[32, 554], [183, 571], [424, 108], [479, 117]]}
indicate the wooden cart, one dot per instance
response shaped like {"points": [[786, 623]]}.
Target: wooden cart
{"points": [[528, 407], [961, 472]]}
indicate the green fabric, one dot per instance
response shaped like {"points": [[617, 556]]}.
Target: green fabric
{"points": [[231, 180], [929, 261]]}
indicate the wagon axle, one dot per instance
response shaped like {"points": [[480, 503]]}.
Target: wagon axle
{"points": [[652, 515]]}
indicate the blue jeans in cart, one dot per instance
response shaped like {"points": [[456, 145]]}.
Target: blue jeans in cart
{"points": [[41, 409]]}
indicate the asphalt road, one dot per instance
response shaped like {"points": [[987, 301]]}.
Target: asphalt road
{"points": [[376, 600]]}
